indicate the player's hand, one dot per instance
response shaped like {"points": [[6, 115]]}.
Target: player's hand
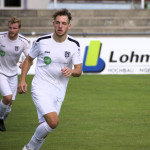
{"points": [[67, 72], [22, 88], [21, 64]]}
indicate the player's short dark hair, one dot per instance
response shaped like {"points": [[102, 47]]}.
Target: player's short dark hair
{"points": [[63, 12], [13, 20]]}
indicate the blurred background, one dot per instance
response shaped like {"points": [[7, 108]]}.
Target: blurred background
{"points": [[90, 17]]}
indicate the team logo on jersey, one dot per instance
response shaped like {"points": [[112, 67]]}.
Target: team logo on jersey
{"points": [[16, 48], [34, 44], [2, 53], [67, 54], [47, 60], [48, 52]]}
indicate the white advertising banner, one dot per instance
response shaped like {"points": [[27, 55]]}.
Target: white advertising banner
{"points": [[114, 55]]}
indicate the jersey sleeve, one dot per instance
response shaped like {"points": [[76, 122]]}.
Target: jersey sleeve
{"points": [[34, 51], [77, 57], [27, 48]]}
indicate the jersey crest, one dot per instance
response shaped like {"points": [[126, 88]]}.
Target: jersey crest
{"points": [[16, 48], [67, 54]]}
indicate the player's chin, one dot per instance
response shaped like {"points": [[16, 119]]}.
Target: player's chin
{"points": [[12, 35], [60, 33]]}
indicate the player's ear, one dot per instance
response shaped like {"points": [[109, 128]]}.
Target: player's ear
{"points": [[53, 23], [69, 26]]}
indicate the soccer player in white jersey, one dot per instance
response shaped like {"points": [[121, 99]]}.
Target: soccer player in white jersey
{"points": [[12, 44], [56, 53]]}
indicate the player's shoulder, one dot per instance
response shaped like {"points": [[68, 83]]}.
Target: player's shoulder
{"points": [[21, 37], [3, 34], [44, 37], [73, 40]]}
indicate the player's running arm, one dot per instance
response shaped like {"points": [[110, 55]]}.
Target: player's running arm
{"points": [[76, 72], [22, 87]]}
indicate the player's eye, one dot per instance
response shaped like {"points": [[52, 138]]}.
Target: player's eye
{"points": [[64, 23], [57, 22], [13, 28]]}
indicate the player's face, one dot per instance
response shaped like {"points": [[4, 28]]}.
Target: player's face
{"points": [[61, 25], [13, 30]]}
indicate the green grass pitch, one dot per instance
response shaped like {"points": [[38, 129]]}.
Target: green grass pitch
{"points": [[100, 112]]}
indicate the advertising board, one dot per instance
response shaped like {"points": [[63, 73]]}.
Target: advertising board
{"points": [[114, 55]]}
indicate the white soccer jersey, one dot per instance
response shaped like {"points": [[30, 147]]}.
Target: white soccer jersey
{"points": [[10, 52], [52, 57]]}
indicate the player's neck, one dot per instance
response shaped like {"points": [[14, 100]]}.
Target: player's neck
{"points": [[59, 39], [13, 37]]}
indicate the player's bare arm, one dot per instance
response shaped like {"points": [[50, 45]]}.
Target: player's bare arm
{"points": [[76, 72], [21, 64], [22, 87]]}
